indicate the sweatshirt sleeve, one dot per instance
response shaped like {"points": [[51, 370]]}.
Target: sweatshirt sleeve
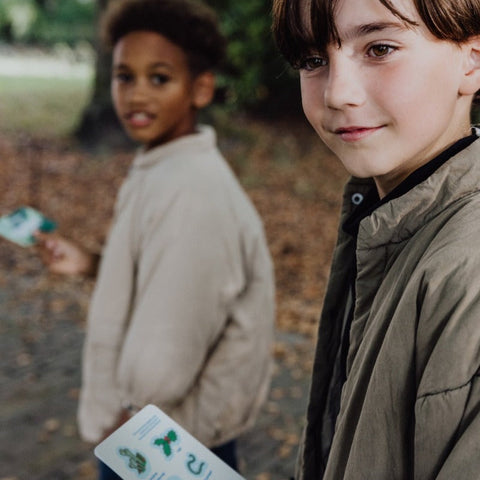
{"points": [[100, 402], [235, 377]]}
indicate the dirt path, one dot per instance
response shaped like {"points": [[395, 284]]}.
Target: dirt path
{"points": [[41, 339]]}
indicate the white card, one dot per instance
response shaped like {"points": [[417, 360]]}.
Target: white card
{"points": [[152, 446], [20, 225]]}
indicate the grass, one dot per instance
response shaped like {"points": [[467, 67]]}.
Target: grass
{"points": [[25, 101]]}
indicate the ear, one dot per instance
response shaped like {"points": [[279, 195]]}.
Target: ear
{"points": [[471, 76], [203, 89]]}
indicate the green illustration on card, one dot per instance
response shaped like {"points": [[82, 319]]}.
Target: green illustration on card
{"points": [[135, 461], [194, 466], [166, 441]]}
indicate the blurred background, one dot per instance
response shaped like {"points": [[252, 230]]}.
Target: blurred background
{"points": [[58, 39], [61, 151]]}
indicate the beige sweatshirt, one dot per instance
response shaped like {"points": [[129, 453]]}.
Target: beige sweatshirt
{"points": [[183, 310]]}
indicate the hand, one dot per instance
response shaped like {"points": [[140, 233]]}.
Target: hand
{"points": [[64, 256]]}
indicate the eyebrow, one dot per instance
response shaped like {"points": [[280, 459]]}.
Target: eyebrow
{"points": [[367, 28], [120, 66]]}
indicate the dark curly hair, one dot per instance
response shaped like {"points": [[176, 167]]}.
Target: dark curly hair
{"points": [[189, 24]]}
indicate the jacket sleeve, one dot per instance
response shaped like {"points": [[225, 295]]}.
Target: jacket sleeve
{"points": [[447, 409], [463, 460]]}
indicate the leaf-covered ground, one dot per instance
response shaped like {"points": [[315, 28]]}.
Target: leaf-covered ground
{"points": [[296, 186]]}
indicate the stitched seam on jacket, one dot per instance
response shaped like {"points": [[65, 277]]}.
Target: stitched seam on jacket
{"points": [[476, 374]]}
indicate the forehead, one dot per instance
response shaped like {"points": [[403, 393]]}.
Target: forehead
{"points": [[149, 47], [356, 17], [321, 19]]}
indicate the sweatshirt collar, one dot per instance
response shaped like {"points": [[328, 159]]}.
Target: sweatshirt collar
{"points": [[203, 139]]}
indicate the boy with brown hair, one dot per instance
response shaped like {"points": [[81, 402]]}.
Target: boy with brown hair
{"points": [[388, 85], [183, 309]]}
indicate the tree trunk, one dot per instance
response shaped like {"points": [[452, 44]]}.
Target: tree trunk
{"points": [[99, 127]]}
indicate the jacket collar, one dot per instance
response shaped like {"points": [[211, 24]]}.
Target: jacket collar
{"points": [[203, 139], [398, 219]]}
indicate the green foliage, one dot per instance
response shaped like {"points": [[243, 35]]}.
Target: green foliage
{"points": [[256, 76], [47, 22], [15, 18], [65, 21]]}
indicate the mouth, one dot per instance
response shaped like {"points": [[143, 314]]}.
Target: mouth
{"points": [[356, 133], [139, 119]]}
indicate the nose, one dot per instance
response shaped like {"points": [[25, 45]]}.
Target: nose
{"points": [[344, 84], [138, 92]]}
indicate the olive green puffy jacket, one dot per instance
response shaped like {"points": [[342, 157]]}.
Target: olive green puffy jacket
{"points": [[410, 406]]}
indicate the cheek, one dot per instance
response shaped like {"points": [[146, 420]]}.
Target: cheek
{"points": [[312, 99], [415, 89]]}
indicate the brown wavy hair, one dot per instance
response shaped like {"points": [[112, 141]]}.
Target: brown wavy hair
{"points": [[451, 20], [189, 24]]}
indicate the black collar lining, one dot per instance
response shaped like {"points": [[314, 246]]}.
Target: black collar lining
{"points": [[372, 200]]}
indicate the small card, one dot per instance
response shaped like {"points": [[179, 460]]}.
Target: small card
{"points": [[152, 446], [20, 225]]}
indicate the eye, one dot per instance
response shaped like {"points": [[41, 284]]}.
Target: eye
{"points": [[159, 79], [311, 63], [380, 50], [122, 77]]}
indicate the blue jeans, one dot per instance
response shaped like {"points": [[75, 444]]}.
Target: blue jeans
{"points": [[226, 452]]}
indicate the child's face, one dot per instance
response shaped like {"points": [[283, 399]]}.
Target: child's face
{"points": [[152, 88], [390, 97]]}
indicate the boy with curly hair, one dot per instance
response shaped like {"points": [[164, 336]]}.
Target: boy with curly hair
{"points": [[388, 85], [183, 309]]}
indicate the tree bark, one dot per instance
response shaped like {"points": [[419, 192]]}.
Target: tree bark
{"points": [[99, 127]]}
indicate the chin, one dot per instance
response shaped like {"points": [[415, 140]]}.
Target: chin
{"points": [[360, 172]]}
